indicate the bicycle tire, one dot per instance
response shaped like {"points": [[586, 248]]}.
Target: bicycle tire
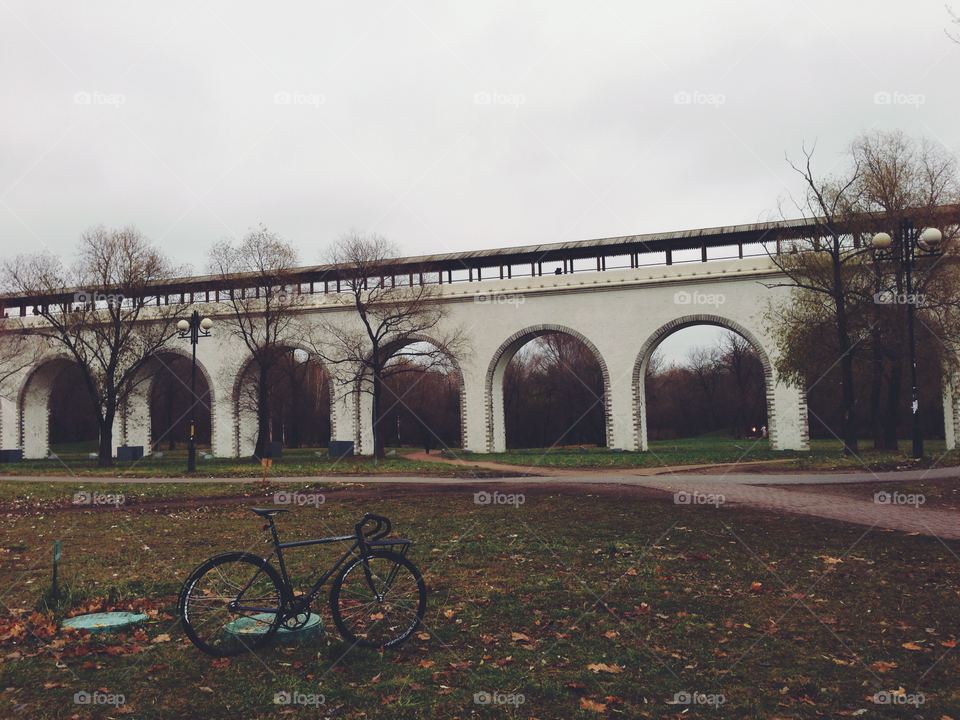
{"points": [[362, 618], [206, 620]]}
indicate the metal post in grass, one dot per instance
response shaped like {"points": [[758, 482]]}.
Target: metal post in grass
{"points": [[194, 329], [54, 590]]}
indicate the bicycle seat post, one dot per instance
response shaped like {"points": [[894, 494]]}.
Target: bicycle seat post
{"points": [[268, 516], [273, 530]]}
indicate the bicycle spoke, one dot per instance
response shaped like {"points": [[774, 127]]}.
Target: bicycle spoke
{"points": [[205, 612], [385, 615]]}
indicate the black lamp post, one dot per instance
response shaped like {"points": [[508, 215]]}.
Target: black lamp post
{"points": [[194, 328], [905, 249]]}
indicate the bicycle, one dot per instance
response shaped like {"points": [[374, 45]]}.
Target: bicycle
{"points": [[235, 602]]}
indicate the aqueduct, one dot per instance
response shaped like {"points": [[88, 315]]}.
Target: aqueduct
{"points": [[620, 296]]}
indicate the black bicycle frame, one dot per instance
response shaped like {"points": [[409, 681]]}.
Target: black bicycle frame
{"points": [[297, 606]]}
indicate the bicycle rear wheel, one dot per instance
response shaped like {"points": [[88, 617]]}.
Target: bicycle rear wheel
{"points": [[203, 604], [385, 615]]}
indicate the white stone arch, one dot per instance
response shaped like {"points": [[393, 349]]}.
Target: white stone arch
{"points": [[769, 376], [243, 438], [495, 422], [33, 405], [136, 424], [393, 346]]}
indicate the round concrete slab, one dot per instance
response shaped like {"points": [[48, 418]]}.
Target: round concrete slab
{"points": [[258, 624], [110, 622]]}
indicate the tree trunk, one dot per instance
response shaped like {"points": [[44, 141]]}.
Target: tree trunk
{"points": [[846, 360], [876, 382], [106, 439], [263, 415], [169, 414], [893, 407], [379, 452]]}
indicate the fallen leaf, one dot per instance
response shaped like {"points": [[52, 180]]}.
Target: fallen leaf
{"points": [[831, 560], [423, 636], [588, 704], [222, 662], [948, 643], [162, 638], [911, 646], [427, 663], [882, 667], [601, 667], [206, 689], [516, 637], [755, 587]]}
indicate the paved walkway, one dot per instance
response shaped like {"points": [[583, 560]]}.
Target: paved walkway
{"points": [[748, 490], [547, 471], [941, 523]]}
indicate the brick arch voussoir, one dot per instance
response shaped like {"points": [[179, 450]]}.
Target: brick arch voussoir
{"points": [[532, 332]]}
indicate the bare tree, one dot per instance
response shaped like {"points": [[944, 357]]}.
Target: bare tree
{"points": [[828, 263], [740, 361], [706, 365], [257, 273], [394, 313], [899, 176], [832, 316], [19, 350], [98, 311], [955, 19]]}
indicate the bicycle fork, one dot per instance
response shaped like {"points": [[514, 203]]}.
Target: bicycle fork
{"points": [[387, 582]]}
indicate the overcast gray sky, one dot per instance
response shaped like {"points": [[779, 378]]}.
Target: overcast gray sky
{"points": [[444, 126]]}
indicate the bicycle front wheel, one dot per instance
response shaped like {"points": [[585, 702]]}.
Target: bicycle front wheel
{"points": [[204, 604], [380, 609]]}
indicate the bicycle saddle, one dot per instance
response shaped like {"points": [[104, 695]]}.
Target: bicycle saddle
{"points": [[268, 512]]}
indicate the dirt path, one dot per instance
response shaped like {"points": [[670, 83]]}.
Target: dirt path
{"points": [[546, 471]]}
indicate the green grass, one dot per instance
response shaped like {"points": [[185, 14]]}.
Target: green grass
{"points": [[521, 600], [38, 496], [708, 449], [294, 463], [824, 455]]}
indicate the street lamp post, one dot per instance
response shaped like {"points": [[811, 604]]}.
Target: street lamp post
{"points": [[194, 328], [905, 249]]}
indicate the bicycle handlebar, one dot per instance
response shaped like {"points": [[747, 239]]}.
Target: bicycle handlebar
{"points": [[378, 532]]}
